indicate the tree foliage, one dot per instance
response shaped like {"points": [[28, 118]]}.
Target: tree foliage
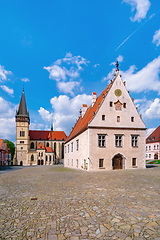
{"points": [[11, 146]]}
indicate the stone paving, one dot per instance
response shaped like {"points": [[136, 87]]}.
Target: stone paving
{"points": [[54, 203]]}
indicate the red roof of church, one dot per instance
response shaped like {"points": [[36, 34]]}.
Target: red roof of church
{"points": [[154, 136], [49, 149], [82, 123], [40, 146], [47, 135]]}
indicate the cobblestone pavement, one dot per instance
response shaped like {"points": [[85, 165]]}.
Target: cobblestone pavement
{"points": [[54, 203]]}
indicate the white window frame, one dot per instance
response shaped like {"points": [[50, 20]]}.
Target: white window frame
{"points": [[102, 140], [134, 140], [77, 144], [118, 140]]}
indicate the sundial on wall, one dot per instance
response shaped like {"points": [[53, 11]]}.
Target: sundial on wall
{"points": [[118, 92]]}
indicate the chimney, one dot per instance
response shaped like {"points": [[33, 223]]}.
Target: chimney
{"points": [[84, 109], [93, 98]]}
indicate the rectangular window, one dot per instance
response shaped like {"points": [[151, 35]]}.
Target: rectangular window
{"points": [[103, 117], [146, 148], [118, 140], [72, 147], [134, 164], [101, 140], [77, 163], [77, 142], [68, 161], [111, 104], [22, 133], [146, 155], [72, 162], [149, 147], [124, 105], [157, 146], [134, 140], [118, 118], [101, 163], [65, 149], [21, 147], [68, 148], [154, 147], [132, 119], [149, 155]]}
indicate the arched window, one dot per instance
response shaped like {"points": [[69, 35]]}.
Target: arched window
{"points": [[62, 150], [46, 158], [55, 148], [32, 145], [32, 157], [47, 144]]}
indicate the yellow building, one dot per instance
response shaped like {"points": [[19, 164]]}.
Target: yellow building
{"points": [[35, 147]]}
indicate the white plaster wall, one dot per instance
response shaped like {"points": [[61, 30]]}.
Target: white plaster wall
{"points": [[152, 151], [81, 154], [108, 152]]}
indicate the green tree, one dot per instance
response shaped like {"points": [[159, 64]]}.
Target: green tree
{"points": [[11, 146]]}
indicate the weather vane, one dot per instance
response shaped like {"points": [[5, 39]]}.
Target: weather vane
{"points": [[117, 66]]}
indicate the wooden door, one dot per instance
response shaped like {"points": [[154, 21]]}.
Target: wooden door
{"points": [[117, 162]]}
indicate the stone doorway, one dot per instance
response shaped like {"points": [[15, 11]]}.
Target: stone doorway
{"points": [[117, 162]]}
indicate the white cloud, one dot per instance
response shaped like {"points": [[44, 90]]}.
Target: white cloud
{"points": [[96, 65], [25, 80], [67, 87], [120, 58], [36, 126], [156, 38], [4, 73], [66, 72], [141, 7], [146, 79], [8, 90], [154, 109], [149, 131], [45, 114], [66, 111], [7, 119]]}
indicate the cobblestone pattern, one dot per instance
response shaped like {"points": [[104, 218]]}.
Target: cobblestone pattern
{"points": [[122, 204]]}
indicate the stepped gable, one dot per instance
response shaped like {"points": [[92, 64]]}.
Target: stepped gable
{"points": [[154, 136], [82, 122], [47, 135], [40, 146]]}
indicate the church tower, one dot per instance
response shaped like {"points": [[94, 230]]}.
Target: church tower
{"points": [[22, 132]]}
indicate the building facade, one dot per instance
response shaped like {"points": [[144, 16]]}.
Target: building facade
{"points": [[153, 145], [35, 147], [2, 153], [109, 134]]}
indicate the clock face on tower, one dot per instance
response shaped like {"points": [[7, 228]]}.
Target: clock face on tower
{"points": [[22, 124], [118, 92]]}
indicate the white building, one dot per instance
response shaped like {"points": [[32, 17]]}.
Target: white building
{"points": [[153, 145], [109, 134]]}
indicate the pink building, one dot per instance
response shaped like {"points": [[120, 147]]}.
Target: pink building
{"points": [[153, 145], [2, 153]]}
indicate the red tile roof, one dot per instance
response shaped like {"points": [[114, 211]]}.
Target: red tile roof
{"points": [[82, 123], [1, 141], [40, 146], [47, 135], [49, 149], [154, 136]]}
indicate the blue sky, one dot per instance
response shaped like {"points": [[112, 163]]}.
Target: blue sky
{"points": [[61, 51]]}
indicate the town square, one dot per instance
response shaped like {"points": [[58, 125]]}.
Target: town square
{"points": [[52, 202]]}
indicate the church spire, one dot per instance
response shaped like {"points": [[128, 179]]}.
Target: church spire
{"points": [[22, 112]]}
